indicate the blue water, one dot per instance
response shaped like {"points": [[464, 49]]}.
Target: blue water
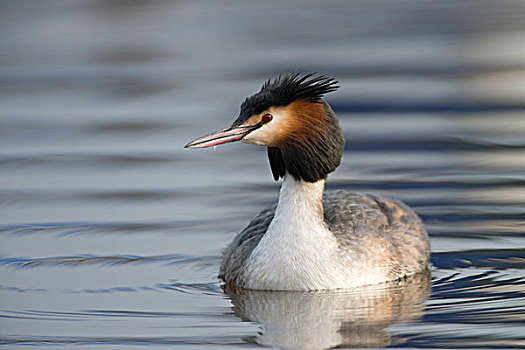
{"points": [[111, 232]]}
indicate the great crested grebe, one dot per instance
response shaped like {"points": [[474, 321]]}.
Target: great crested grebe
{"points": [[308, 241]]}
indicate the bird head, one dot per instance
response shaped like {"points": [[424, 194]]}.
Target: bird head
{"points": [[290, 117]]}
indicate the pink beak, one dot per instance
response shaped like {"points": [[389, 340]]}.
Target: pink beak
{"points": [[222, 136]]}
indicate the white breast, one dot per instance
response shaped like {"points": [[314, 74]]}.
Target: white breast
{"points": [[298, 252]]}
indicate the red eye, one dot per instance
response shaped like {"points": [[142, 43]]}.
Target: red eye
{"points": [[266, 118]]}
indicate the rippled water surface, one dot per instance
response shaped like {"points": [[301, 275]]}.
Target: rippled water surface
{"points": [[111, 232]]}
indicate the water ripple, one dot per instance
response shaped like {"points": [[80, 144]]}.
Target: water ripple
{"points": [[75, 228], [224, 340], [448, 107], [87, 159], [498, 259], [198, 288], [88, 259]]}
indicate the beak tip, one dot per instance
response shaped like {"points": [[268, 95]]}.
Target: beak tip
{"points": [[220, 137], [192, 144]]}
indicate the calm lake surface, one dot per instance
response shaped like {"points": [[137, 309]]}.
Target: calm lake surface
{"points": [[111, 232]]}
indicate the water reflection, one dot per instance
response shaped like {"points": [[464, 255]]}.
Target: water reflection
{"points": [[323, 320]]}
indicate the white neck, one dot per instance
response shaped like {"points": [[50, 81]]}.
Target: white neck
{"points": [[298, 251]]}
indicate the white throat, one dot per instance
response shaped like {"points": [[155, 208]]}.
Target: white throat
{"points": [[298, 251]]}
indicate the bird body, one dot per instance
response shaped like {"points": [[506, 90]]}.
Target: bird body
{"points": [[308, 241], [344, 240]]}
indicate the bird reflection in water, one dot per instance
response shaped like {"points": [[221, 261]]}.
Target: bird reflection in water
{"points": [[326, 319]]}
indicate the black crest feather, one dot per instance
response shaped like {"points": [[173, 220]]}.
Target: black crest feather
{"points": [[284, 90], [291, 87]]}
